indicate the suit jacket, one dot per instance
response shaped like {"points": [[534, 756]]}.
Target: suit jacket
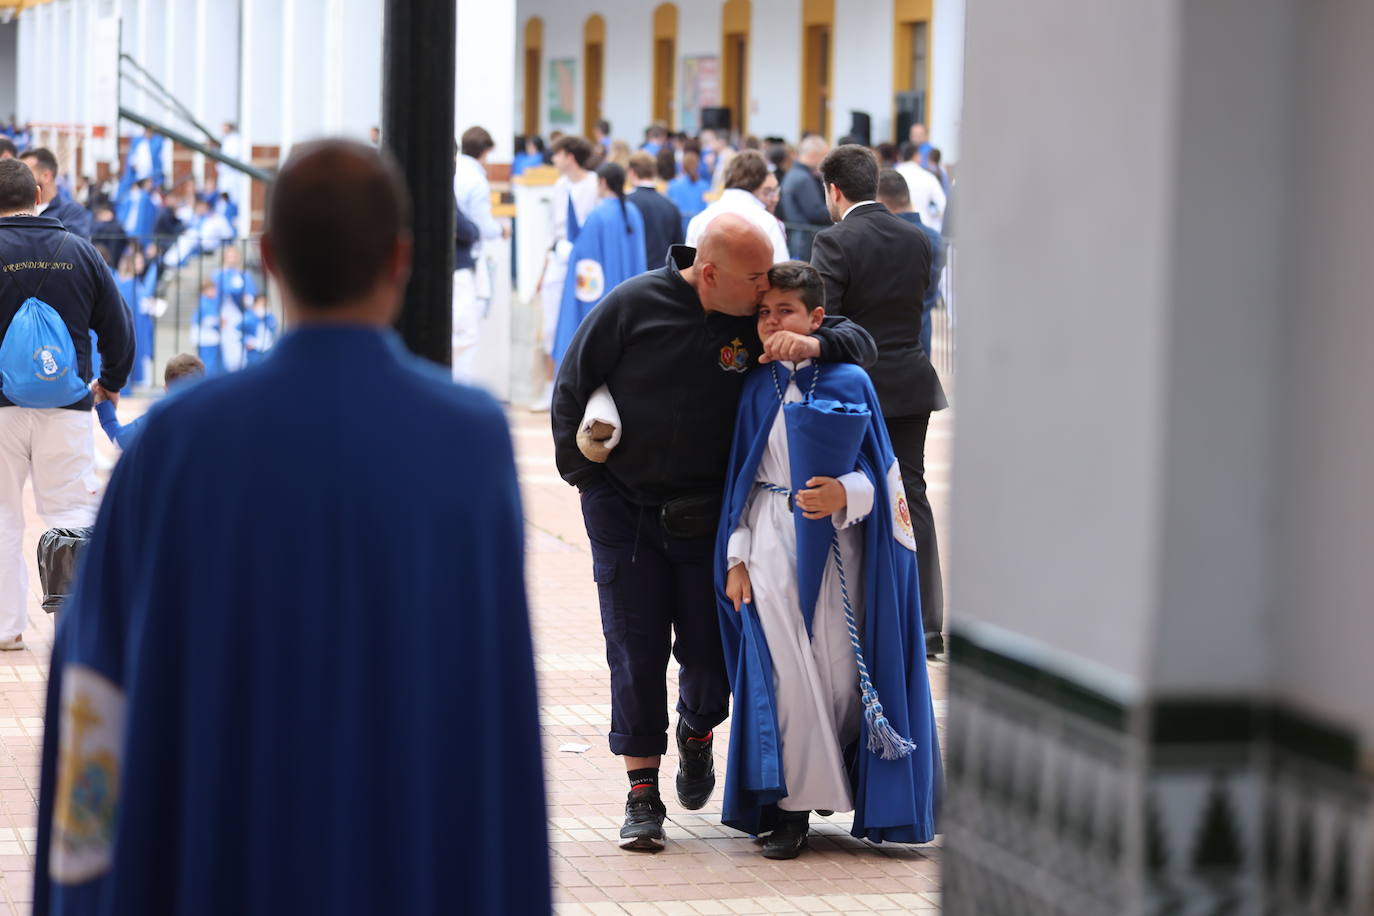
{"points": [[876, 267], [803, 200], [662, 224]]}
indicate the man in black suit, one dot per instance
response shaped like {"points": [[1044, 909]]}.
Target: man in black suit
{"points": [[803, 198], [876, 267], [662, 218]]}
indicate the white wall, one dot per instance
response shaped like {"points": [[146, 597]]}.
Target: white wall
{"points": [[486, 72], [862, 47], [775, 89], [863, 65], [1323, 621], [1062, 327]]}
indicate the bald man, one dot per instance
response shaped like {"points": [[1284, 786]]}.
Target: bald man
{"points": [[672, 347], [282, 693]]}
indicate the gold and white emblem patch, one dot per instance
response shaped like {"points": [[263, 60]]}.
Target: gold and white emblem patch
{"points": [[901, 512], [89, 770]]}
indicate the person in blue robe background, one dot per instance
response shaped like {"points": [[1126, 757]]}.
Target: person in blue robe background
{"points": [[144, 160], [137, 212], [688, 190], [259, 331], [206, 331], [295, 674], [237, 290], [609, 250], [137, 283], [893, 799]]}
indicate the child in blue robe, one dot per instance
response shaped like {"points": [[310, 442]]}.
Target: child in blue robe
{"points": [[688, 190], [609, 250], [818, 602], [259, 331], [236, 291], [183, 367], [206, 331]]}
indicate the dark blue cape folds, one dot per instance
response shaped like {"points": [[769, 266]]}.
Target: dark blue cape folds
{"points": [[894, 800], [603, 256], [320, 637]]}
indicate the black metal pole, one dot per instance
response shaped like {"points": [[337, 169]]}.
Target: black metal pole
{"points": [[418, 59]]}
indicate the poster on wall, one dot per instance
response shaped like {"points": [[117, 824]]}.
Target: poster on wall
{"points": [[563, 90], [700, 89]]}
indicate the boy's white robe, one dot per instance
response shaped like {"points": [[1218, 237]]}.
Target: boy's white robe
{"points": [[816, 679]]}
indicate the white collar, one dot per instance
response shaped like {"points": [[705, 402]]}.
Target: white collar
{"points": [[793, 367], [853, 207], [736, 192], [647, 184]]}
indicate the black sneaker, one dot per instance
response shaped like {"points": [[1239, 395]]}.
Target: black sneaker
{"points": [[696, 768], [789, 838], [644, 813]]}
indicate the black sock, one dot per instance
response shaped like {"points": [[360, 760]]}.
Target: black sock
{"points": [[645, 777]]}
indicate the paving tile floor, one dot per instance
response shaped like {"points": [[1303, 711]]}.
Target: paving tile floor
{"points": [[706, 868]]}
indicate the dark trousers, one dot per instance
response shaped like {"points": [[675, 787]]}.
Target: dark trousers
{"points": [[653, 587], [908, 435]]}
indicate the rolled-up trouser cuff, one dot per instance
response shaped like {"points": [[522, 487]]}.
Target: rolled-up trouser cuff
{"points": [[639, 745]]}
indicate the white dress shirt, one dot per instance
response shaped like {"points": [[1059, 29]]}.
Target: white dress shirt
{"points": [[738, 200]]}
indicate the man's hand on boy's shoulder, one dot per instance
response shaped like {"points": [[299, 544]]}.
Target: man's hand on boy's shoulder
{"points": [[790, 346]]}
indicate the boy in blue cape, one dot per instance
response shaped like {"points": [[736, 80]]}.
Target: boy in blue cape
{"points": [[184, 367], [818, 603], [609, 250]]}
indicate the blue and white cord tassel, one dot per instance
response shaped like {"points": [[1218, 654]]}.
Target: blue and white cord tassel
{"points": [[883, 739]]}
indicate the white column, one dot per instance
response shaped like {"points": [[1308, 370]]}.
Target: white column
{"points": [[288, 81], [201, 64], [246, 122], [334, 19]]}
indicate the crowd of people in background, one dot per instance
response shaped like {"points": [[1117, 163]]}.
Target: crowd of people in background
{"points": [[147, 228], [678, 184]]}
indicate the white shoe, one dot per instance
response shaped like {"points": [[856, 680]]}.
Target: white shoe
{"points": [[544, 402], [13, 644]]}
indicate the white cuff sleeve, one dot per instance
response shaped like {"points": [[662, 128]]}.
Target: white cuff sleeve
{"points": [[858, 490], [601, 408], [737, 550]]}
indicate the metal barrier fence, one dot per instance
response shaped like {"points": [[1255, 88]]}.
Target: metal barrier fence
{"points": [[799, 237], [188, 295]]}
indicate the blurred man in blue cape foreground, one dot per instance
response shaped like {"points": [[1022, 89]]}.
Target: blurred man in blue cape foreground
{"points": [[295, 674]]}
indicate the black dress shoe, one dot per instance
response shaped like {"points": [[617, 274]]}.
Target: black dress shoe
{"points": [[789, 838], [644, 814], [935, 644], [696, 768]]}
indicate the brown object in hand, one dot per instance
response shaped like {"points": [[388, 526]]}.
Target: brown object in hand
{"points": [[592, 442]]}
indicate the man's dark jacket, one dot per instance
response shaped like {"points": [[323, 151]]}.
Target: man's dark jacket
{"points": [[76, 218], [79, 287], [662, 223], [876, 267], [675, 371], [803, 200]]}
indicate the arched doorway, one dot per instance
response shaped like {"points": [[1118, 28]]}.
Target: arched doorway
{"points": [[534, 63], [734, 62], [665, 63], [594, 60]]}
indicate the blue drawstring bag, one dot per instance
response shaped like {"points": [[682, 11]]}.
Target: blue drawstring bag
{"points": [[38, 362]]}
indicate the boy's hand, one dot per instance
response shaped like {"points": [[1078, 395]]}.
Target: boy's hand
{"points": [[825, 498], [99, 393], [790, 346], [737, 586]]}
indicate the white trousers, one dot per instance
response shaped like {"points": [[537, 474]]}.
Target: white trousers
{"points": [[467, 325], [551, 296], [56, 448]]}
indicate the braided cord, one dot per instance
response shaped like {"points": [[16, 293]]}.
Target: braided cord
{"points": [[883, 739]]}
